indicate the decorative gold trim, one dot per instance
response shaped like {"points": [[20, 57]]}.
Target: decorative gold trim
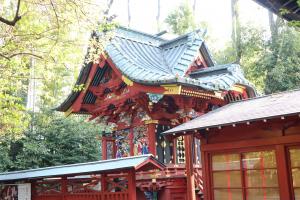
{"points": [[127, 81], [151, 121], [238, 88], [105, 55], [68, 112], [200, 94], [218, 94], [86, 86], [172, 89]]}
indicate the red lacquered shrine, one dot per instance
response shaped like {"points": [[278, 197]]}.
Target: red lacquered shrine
{"points": [[250, 149], [144, 85]]}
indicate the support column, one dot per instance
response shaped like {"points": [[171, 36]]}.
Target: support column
{"points": [[131, 184], [103, 183], [104, 146], [284, 183], [188, 142], [64, 187], [151, 125]]}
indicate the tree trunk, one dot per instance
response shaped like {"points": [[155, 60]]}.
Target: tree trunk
{"points": [[236, 30], [158, 16], [194, 7], [129, 14], [274, 25]]}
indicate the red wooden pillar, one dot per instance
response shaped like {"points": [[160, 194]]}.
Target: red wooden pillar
{"points": [[188, 142], [131, 184], [174, 151], [152, 136], [283, 174], [33, 189], [103, 183], [64, 187], [206, 174], [104, 148]]}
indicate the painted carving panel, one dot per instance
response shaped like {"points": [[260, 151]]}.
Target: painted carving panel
{"points": [[140, 140], [122, 138]]}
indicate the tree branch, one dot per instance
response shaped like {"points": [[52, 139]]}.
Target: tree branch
{"points": [[8, 57], [16, 18]]}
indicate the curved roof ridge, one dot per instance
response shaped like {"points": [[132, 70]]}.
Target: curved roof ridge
{"points": [[140, 32], [135, 35]]}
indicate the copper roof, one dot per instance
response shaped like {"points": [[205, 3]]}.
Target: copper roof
{"points": [[135, 162], [151, 60], [264, 107]]}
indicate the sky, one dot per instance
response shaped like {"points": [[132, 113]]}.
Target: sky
{"points": [[216, 14]]}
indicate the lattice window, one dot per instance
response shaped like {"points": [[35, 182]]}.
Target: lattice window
{"points": [[249, 174], [180, 150], [87, 185], [295, 169], [117, 183], [48, 187]]}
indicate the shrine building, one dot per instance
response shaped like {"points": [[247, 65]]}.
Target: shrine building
{"points": [[144, 85], [250, 148], [140, 87]]}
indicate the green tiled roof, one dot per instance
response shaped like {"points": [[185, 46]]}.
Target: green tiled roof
{"points": [[134, 162], [150, 60]]}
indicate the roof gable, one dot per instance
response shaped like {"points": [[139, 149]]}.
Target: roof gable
{"points": [[143, 57]]}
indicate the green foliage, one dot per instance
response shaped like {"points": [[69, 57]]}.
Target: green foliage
{"points": [[45, 47], [272, 65], [283, 62], [53, 140], [78, 88], [181, 20], [13, 118]]}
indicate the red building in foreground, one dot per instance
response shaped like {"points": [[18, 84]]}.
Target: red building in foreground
{"points": [[250, 149], [142, 86]]}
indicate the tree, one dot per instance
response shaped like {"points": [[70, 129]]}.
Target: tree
{"points": [[272, 64], [181, 20], [55, 140], [47, 35], [16, 17], [282, 62]]}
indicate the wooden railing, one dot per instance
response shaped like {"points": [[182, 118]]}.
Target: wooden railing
{"points": [[171, 171]]}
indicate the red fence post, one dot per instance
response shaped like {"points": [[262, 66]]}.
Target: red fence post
{"points": [[131, 184]]}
